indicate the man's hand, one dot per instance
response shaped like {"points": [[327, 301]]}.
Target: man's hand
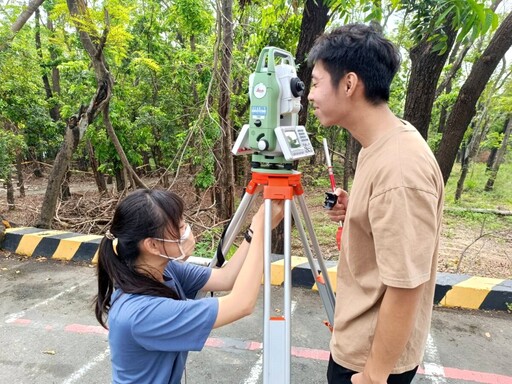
{"points": [[338, 212]]}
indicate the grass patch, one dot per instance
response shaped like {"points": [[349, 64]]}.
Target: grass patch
{"points": [[472, 220], [474, 195]]}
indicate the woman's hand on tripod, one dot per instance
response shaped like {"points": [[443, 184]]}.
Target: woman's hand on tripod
{"points": [[241, 300], [277, 214]]}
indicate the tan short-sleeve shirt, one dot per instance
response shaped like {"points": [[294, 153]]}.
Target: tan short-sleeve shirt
{"points": [[390, 238]]}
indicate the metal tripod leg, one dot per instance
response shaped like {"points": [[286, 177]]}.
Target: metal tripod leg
{"points": [[277, 329], [233, 229], [323, 281], [236, 222]]}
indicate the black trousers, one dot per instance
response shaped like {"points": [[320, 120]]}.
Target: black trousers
{"points": [[336, 374]]}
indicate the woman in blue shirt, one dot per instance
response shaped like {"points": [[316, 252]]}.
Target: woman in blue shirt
{"points": [[145, 290]]}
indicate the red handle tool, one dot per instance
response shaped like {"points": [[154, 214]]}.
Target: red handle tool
{"points": [[333, 186]]}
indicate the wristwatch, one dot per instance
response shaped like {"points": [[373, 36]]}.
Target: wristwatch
{"points": [[248, 235]]}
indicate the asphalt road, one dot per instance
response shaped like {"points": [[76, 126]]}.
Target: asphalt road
{"points": [[48, 334]]}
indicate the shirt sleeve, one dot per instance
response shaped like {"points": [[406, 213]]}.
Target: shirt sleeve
{"points": [[404, 226], [174, 325], [192, 277]]}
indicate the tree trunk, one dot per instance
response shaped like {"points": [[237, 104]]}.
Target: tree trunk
{"points": [[480, 130], [224, 169], [467, 155], [426, 67], [10, 192], [19, 172], [120, 179], [347, 164], [350, 164], [77, 124], [55, 109], [464, 107], [491, 159], [314, 20], [49, 89], [456, 64], [65, 191], [455, 60], [21, 20], [58, 172], [499, 157], [98, 176], [119, 149]]}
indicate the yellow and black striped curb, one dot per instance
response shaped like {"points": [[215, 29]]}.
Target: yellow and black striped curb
{"points": [[452, 290], [52, 244]]}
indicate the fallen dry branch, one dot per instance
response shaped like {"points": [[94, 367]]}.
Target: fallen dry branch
{"points": [[498, 212], [91, 213]]}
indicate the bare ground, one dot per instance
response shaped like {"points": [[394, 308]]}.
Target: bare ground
{"points": [[465, 250]]}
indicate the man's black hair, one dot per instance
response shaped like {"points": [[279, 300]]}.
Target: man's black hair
{"points": [[360, 49]]}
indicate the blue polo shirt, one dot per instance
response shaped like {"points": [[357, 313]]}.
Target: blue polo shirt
{"points": [[150, 336]]}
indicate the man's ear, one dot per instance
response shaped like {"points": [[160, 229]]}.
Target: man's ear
{"points": [[350, 83]]}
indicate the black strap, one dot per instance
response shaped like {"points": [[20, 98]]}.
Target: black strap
{"points": [[219, 255], [221, 259]]}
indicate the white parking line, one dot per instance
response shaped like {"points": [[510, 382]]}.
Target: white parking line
{"points": [[14, 316], [77, 375], [432, 362], [256, 371]]}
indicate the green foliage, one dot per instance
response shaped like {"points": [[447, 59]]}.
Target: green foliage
{"points": [[192, 17], [434, 139], [22, 101], [277, 24], [493, 140], [206, 244], [10, 145], [470, 18], [163, 57]]}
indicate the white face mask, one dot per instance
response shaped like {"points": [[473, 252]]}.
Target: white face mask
{"points": [[184, 237], [180, 258]]}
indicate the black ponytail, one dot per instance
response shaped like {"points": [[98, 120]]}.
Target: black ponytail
{"points": [[142, 214]]}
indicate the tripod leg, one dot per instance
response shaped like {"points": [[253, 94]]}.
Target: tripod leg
{"points": [[323, 281], [235, 224], [277, 329]]}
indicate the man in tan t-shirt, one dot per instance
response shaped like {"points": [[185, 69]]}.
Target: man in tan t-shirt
{"points": [[387, 268]]}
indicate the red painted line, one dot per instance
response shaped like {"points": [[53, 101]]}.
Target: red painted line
{"points": [[306, 353], [309, 353], [22, 321], [479, 377], [214, 342], [323, 355], [254, 345], [79, 328]]}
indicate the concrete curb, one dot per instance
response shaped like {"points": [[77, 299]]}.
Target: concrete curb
{"points": [[452, 290]]}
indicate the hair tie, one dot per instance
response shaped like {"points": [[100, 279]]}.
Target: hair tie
{"points": [[114, 239]]}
